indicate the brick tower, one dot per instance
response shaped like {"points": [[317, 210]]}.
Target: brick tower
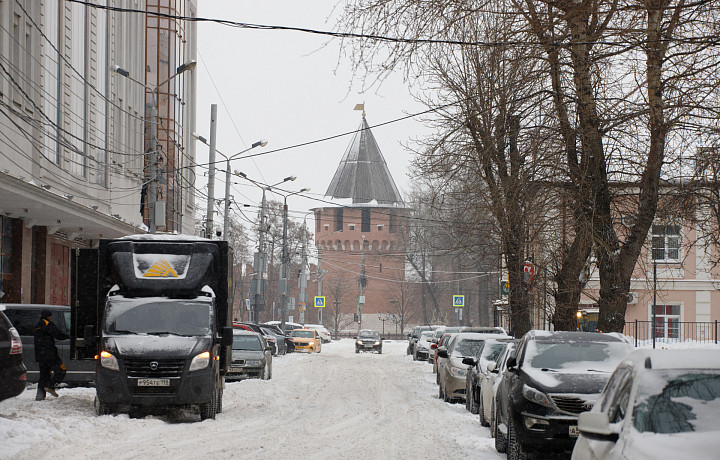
{"points": [[360, 240]]}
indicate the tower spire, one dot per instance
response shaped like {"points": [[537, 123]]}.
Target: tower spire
{"points": [[360, 107]]}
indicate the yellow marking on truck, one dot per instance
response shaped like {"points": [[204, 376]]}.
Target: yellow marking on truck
{"points": [[161, 269]]}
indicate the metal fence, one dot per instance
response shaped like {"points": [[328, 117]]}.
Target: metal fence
{"points": [[670, 331]]}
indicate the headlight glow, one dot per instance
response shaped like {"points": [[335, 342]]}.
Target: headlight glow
{"points": [[200, 361], [108, 361]]}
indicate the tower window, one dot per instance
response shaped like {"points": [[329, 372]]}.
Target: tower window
{"points": [[338, 219], [365, 220]]}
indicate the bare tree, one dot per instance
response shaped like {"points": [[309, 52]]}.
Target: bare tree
{"points": [[340, 307]]}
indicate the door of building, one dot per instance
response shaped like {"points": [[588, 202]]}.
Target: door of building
{"points": [[59, 274]]}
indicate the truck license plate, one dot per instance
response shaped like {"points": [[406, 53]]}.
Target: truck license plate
{"points": [[154, 382], [574, 431]]}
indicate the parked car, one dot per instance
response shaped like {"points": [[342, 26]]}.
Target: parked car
{"points": [[289, 347], [657, 404], [554, 377], [368, 340], [452, 370], [422, 346], [477, 370], [13, 377], [251, 356], [439, 333], [324, 333], [279, 343], [444, 340], [490, 383], [306, 340], [25, 317], [413, 338]]}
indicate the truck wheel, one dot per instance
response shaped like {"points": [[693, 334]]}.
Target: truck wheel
{"points": [[208, 411], [102, 409]]}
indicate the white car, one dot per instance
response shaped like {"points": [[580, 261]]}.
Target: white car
{"points": [[322, 330], [657, 404], [422, 347], [489, 385]]}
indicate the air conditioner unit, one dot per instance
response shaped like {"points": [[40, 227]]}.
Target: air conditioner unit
{"points": [[632, 298]]}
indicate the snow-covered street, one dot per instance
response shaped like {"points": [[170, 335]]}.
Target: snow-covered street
{"points": [[336, 404]]}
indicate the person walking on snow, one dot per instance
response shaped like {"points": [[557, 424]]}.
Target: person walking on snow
{"points": [[52, 369]]}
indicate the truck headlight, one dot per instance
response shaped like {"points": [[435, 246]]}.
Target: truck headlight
{"points": [[108, 361], [538, 397], [359, 342], [458, 372], [200, 361]]}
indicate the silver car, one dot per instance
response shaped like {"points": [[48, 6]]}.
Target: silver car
{"points": [[251, 356]]}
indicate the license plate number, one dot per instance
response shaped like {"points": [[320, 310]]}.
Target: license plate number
{"points": [[154, 382], [574, 431]]}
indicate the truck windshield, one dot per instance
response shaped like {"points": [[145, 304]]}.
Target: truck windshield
{"points": [[158, 316]]}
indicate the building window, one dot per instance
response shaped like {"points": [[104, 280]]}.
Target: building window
{"points": [[351, 226], [380, 227], [327, 227], [365, 220], [393, 222], [318, 217], [338, 219], [667, 321], [380, 267], [666, 243]]}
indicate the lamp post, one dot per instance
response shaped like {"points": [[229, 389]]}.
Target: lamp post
{"points": [[260, 143], [259, 263], [285, 258], [383, 319], [152, 159], [394, 317]]}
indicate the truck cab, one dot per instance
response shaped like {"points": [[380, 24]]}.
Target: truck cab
{"points": [[155, 314]]}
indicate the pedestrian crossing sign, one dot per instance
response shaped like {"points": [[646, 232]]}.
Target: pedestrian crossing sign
{"points": [[458, 301], [320, 302]]}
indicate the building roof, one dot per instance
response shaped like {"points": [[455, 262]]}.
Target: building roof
{"points": [[363, 175]]}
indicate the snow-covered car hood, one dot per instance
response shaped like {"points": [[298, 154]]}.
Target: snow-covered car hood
{"points": [[168, 346], [651, 446], [247, 354], [425, 345], [551, 381]]}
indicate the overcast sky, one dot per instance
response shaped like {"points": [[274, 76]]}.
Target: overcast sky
{"points": [[289, 88]]}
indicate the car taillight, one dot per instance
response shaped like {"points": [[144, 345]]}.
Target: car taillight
{"points": [[15, 342]]}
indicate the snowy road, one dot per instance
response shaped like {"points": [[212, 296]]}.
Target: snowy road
{"points": [[336, 404]]}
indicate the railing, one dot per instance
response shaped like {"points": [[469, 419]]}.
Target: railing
{"points": [[353, 334], [671, 331]]}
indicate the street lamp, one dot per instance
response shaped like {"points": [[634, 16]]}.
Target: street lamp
{"points": [[152, 160], [260, 143], [286, 256], [383, 319], [259, 264]]}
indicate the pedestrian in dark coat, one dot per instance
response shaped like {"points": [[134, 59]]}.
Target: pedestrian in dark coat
{"points": [[52, 369]]}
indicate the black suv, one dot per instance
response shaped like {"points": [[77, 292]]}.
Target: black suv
{"points": [[12, 369], [553, 377], [25, 317]]}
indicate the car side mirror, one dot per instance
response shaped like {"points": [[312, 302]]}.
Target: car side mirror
{"points": [[596, 426], [442, 353], [434, 346], [469, 361], [512, 362], [227, 337], [492, 367]]}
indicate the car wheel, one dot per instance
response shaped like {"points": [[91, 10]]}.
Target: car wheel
{"points": [[415, 357], [441, 395], [500, 438], [219, 408], [468, 398], [481, 411], [357, 350], [266, 372], [515, 449], [447, 397], [380, 351], [208, 411]]}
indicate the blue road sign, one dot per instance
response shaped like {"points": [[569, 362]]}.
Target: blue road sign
{"points": [[458, 301], [320, 302]]}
